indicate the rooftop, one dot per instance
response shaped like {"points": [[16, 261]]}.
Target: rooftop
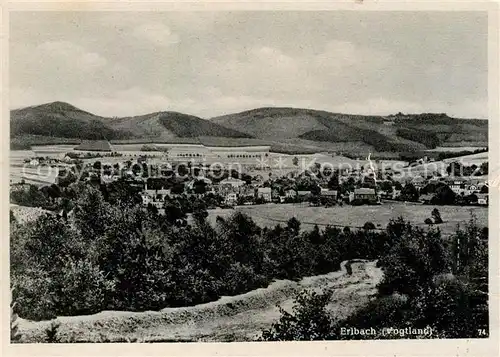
{"points": [[231, 180], [364, 191]]}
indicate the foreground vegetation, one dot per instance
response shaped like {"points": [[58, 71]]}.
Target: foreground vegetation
{"points": [[111, 254], [426, 285]]}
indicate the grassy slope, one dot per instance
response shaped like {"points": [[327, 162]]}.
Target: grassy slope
{"points": [[449, 130], [62, 120], [34, 125], [272, 214], [320, 126], [172, 124]]}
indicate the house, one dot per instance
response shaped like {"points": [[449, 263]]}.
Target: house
{"points": [[418, 182], [146, 198], [330, 194], [290, 193], [328, 197], [470, 189], [247, 191], [482, 199], [303, 195], [161, 194], [231, 182], [386, 195], [68, 159], [457, 186], [264, 193], [156, 195], [157, 204], [365, 194], [231, 199]]}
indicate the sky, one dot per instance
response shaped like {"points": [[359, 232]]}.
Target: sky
{"points": [[215, 63]]}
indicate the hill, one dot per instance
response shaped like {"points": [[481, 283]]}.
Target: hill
{"points": [[63, 120], [383, 134], [58, 121], [290, 130], [165, 125]]}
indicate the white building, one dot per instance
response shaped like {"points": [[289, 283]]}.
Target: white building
{"points": [[264, 193], [233, 182], [231, 199], [482, 199]]}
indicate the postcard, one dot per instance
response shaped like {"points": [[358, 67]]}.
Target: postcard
{"points": [[251, 179]]}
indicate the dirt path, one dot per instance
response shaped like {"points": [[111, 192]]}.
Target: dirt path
{"points": [[236, 318]]}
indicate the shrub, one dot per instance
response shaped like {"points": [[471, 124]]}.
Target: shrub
{"points": [[308, 320], [369, 225], [52, 331], [15, 336], [436, 215]]}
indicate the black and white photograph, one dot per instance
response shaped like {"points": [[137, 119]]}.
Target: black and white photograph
{"points": [[248, 176]]}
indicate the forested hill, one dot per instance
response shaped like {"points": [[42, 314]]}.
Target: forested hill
{"points": [[62, 120], [400, 132], [287, 127]]}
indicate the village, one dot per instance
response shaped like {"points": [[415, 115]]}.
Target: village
{"points": [[180, 170]]}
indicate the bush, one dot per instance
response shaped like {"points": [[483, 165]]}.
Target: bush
{"points": [[51, 332], [308, 320], [436, 216], [32, 197], [384, 311], [78, 288], [368, 226], [15, 336]]}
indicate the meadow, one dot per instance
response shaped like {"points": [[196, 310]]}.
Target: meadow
{"points": [[270, 215], [456, 148]]}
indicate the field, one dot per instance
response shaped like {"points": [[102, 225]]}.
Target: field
{"points": [[456, 148], [277, 164], [20, 171], [440, 166], [270, 215]]}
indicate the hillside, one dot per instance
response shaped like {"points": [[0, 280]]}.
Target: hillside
{"points": [[286, 129], [173, 124], [61, 121], [383, 134]]}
